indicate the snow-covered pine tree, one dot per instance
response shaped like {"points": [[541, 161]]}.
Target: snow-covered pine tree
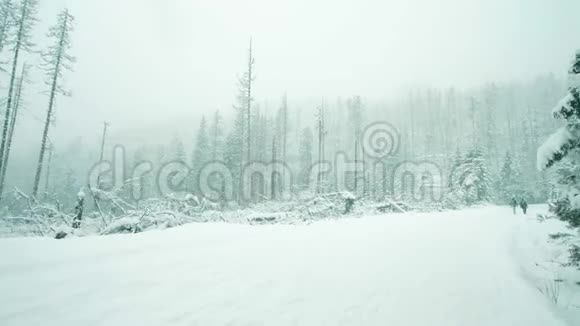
{"points": [[562, 148], [306, 146], [201, 154], [79, 209], [478, 186], [510, 181], [475, 123], [261, 138], [245, 100], [177, 150], [241, 135], [470, 183], [233, 151], [454, 196], [490, 132], [160, 156], [217, 134]]}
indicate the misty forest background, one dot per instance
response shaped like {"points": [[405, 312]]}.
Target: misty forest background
{"points": [[492, 132]]}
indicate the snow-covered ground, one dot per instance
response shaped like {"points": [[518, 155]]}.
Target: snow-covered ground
{"points": [[474, 267]]}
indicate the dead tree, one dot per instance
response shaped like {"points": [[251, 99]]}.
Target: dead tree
{"points": [[6, 16], [321, 149], [249, 80], [56, 60], [284, 127], [24, 22], [47, 174], [244, 108], [17, 106], [273, 189], [102, 153]]}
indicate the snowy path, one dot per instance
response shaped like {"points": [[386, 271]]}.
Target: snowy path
{"points": [[454, 268]]}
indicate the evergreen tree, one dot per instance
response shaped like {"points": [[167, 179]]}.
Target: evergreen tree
{"points": [[562, 148], [202, 152], [455, 195], [244, 104], [233, 154], [306, 144], [216, 134], [478, 185], [161, 156], [474, 116], [510, 181], [178, 150], [491, 130], [261, 139], [470, 180]]}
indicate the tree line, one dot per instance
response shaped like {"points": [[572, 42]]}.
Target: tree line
{"points": [[489, 134]]}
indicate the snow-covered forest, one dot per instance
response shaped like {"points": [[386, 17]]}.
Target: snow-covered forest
{"points": [[269, 167], [474, 145], [500, 124]]}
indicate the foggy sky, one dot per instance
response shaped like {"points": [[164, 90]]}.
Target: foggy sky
{"points": [[153, 67]]}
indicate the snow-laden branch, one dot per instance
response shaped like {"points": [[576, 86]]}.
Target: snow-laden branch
{"points": [[555, 147]]}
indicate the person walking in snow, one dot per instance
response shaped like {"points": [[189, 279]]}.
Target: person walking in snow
{"points": [[514, 204], [524, 205]]}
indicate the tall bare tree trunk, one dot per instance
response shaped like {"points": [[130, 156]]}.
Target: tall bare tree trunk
{"points": [[52, 99], [6, 126], [17, 105], [47, 174], [356, 162], [102, 153], [44, 138], [249, 104], [273, 176], [284, 128], [321, 134]]}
